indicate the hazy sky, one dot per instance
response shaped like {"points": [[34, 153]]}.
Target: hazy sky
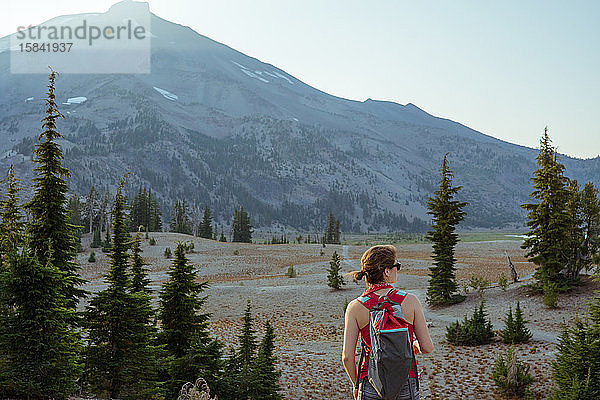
{"points": [[505, 68]]}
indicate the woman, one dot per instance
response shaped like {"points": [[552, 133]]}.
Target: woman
{"points": [[380, 269]]}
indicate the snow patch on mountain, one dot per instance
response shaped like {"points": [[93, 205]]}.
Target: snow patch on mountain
{"points": [[27, 100], [283, 77], [75, 100], [239, 65], [166, 94], [250, 73], [253, 75]]}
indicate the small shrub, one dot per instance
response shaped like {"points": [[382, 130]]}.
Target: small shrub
{"points": [[152, 241], [92, 257], [334, 279], [502, 282], [291, 272], [511, 376], [188, 246], [321, 253], [471, 332], [168, 253], [550, 294], [236, 252], [345, 305], [515, 330], [479, 284]]}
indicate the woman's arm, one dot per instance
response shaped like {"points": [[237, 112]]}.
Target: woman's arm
{"points": [[420, 326], [351, 331]]}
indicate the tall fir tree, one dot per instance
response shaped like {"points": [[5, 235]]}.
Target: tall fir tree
{"points": [[241, 228], [241, 362], [139, 278], [191, 350], [266, 376], [39, 343], [119, 357], [332, 233], [548, 239], [96, 240], [11, 225], [49, 220], [39, 348], [145, 212], [74, 217], [90, 209], [334, 278], [180, 219], [206, 230], [591, 224], [447, 214]]}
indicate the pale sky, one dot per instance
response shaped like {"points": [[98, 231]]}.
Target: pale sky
{"points": [[505, 68]]}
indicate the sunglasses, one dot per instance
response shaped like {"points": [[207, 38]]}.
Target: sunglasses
{"points": [[397, 265]]}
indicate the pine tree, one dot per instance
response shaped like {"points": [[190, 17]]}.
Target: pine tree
{"points": [[334, 279], [241, 227], [222, 238], [139, 279], [590, 214], [575, 369], [11, 225], [39, 349], [91, 208], [447, 213], [148, 353], [96, 241], [548, 220], [49, 224], [185, 329], [265, 375], [512, 377], [332, 233], [121, 361], [180, 220], [39, 344], [74, 208], [145, 212], [515, 330], [475, 331], [240, 363], [205, 230], [107, 245]]}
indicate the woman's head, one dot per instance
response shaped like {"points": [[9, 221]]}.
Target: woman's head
{"points": [[374, 263]]}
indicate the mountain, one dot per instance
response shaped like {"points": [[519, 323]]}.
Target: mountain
{"points": [[212, 125]]}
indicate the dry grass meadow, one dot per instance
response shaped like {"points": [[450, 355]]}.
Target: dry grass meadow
{"points": [[309, 318]]}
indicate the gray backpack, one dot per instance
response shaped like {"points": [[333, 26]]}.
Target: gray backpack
{"points": [[391, 347]]}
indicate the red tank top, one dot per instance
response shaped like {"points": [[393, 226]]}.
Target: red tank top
{"points": [[370, 299]]}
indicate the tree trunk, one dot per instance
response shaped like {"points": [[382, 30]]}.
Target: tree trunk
{"points": [[513, 271]]}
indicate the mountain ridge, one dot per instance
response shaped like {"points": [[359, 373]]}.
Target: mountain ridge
{"points": [[182, 128]]}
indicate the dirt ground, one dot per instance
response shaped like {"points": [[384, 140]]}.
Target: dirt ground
{"points": [[309, 318]]}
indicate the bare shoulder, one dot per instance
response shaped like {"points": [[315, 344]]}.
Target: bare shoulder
{"points": [[354, 304], [412, 300]]}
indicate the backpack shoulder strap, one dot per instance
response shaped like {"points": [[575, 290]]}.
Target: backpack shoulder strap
{"points": [[397, 296], [369, 300]]}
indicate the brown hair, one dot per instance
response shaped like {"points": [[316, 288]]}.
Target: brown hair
{"points": [[374, 261]]}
